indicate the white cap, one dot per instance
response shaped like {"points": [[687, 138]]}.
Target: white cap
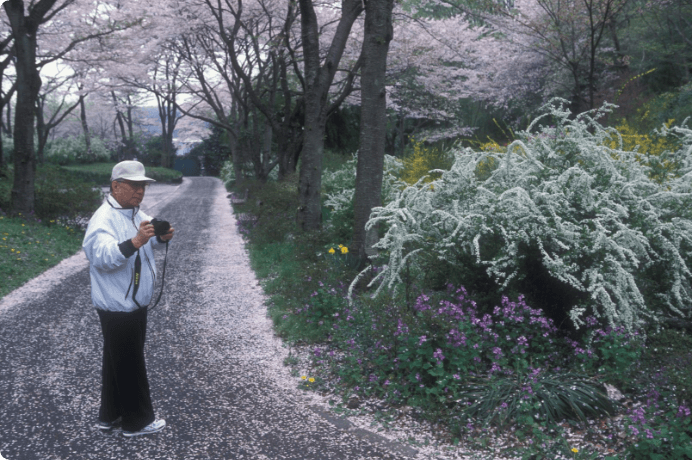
{"points": [[130, 170]]}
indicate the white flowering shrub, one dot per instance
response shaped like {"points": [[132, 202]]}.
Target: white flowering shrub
{"points": [[588, 215]]}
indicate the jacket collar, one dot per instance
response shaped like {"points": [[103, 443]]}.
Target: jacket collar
{"points": [[115, 205]]}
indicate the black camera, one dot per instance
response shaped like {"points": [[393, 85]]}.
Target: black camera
{"points": [[161, 227]]}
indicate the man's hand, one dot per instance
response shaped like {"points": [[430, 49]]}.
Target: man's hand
{"points": [[146, 231], [168, 236]]}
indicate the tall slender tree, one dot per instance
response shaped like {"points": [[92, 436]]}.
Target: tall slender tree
{"points": [[373, 120]]}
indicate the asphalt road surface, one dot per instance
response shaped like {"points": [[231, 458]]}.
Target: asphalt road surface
{"points": [[209, 360]]}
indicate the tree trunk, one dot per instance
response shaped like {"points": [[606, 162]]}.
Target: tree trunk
{"points": [[41, 130], [168, 148], [2, 156], [24, 30], [168, 115], [8, 128], [318, 79], [310, 181], [373, 121], [85, 126]]}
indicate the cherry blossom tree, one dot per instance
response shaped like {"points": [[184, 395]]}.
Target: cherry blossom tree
{"points": [[66, 25]]}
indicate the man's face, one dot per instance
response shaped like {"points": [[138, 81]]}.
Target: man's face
{"points": [[128, 193]]}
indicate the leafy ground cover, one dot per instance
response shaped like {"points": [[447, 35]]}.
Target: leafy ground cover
{"points": [[486, 368], [28, 247]]}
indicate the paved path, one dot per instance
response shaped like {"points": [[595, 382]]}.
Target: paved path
{"points": [[210, 355]]}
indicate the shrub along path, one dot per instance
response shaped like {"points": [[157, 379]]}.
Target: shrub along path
{"points": [[214, 367]]}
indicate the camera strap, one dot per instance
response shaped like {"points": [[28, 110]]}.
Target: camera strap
{"points": [[163, 279], [138, 272]]}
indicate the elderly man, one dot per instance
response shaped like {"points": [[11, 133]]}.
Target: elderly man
{"points": [[119, 244]]}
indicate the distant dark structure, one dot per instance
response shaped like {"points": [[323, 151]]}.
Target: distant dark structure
{"points": [[188, 166]]}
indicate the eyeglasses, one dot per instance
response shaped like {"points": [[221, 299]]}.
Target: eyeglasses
{"points": [[135, 185]]}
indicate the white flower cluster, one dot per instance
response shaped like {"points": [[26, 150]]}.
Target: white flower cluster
{"points": [[601, 225]]}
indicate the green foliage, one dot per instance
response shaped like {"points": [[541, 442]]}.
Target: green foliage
{"points": [[29, 246], [274, 202], [214, 150], [610, 353], [534, 399], [342, 132], [227, 174], [659, 428], [338, 188], [100, 173], [152, 152], [289, 261], [7, 147], [674, 105], [443, 351], [669, 352], [72, 150], [59, 195]]}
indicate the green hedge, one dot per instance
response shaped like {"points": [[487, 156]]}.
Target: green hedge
{"points": [[59, 195], [100, 173]]}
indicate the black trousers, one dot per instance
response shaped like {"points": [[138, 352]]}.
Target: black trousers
{"points": [[124, 384]]}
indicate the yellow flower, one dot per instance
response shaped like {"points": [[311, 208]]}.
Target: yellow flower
{"points": [[575, 450], [341, 246], [311, 380], [344, 250], [331, 250], [303, 377], [12, 250]]}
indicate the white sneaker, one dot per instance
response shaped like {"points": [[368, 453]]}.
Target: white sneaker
{"points": [[153, 427]]}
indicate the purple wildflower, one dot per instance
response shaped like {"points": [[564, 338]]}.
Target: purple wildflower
{"points": [[438, 355]]}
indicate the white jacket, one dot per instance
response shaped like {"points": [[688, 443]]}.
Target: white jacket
{"points": [[112, 273]]}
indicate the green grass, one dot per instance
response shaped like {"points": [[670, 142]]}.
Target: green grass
{"points": [[28, 248]]}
